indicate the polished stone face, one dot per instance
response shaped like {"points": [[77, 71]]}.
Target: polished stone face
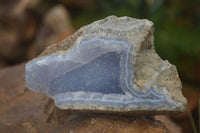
{"points": [[95, 71]]}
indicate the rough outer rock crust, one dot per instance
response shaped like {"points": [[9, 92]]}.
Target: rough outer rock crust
{"points": [[152, 85]]}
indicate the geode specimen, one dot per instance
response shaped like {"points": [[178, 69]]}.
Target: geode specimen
{"points": [[110, 66]]}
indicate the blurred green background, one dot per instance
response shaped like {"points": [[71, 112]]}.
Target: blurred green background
{"points": [[28, 26], [176, 22]]}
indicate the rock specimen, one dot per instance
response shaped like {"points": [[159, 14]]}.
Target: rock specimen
{"points": [[41, 116], [108, 66]]}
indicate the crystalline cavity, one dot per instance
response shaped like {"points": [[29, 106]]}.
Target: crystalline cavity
{"points": [[100, 70]]}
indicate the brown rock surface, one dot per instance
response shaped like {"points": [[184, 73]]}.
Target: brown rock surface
{"points": [[171, 126], [23, 111], [19, 108], [55, 27], [82, 123], [17, 29]]}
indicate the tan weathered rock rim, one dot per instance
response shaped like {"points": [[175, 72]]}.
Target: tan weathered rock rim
{"points": [[149, 75]]}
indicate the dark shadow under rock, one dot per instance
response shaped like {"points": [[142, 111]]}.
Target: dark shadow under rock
{"points": [[98, 123]]}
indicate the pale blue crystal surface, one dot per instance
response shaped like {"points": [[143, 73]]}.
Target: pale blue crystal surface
{"points": [[95, 71]]}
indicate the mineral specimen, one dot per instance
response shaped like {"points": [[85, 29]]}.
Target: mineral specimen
{"points": [[110, 66]]}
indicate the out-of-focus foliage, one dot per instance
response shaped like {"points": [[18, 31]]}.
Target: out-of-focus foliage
{"points": [[177, 23], [177, 26]]}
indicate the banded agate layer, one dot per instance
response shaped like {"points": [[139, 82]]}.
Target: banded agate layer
{"points": [[105, 73]]}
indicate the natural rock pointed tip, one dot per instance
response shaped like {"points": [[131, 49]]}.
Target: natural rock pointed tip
{"points": [[126, 20], [110, 66]]}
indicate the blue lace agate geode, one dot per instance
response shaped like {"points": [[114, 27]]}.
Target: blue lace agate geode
{"points": [[97, 73]]}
